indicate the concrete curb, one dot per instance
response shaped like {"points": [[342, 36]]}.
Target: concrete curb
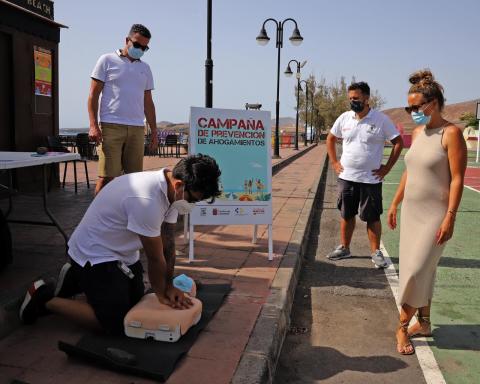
{"points": [[259, 360]]}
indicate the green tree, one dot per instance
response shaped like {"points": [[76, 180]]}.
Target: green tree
{"points": [[469, 119], [329, 101]]}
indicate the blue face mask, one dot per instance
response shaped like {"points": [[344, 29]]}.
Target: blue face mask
{"points": [[420, 118], [135, 53]]}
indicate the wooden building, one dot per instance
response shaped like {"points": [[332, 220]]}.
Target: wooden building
{"points": [[29, 40]]}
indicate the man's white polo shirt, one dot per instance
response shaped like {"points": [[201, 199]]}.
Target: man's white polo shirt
{"points": [[363, 143], [130, 205], [125, 83]]}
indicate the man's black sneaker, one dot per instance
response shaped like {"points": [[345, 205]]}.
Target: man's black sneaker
{"points": [[66, 283], [33, 305]]}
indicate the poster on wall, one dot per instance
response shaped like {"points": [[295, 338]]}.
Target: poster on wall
{"points": [[43, 71], [240, 142]]}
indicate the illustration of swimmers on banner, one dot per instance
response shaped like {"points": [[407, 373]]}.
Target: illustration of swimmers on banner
{"points": [[253, 190]]}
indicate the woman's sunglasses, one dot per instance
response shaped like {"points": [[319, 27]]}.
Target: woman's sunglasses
{"points": [[136, 44], [415, 108]]}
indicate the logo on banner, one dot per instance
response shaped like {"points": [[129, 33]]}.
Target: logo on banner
{"points": [[240, 212], [203, 211], [258, 211], [220, 212]]}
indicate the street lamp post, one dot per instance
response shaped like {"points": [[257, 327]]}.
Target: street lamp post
{"points": [[311, 124], [263, 39], [288, 72], [311, 120], [209, 61], [306, 109]]}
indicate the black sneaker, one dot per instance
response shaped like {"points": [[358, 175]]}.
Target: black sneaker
{"points": [[66, 283], [33, 305]]}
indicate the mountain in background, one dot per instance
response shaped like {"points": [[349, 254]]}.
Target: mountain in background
{"points": [[451, 112]]}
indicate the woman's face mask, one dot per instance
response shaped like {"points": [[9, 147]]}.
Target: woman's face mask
{"points": [[420, 118], [417, 111]]}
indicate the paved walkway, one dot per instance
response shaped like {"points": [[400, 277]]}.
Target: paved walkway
{"points": [[223, 254]]}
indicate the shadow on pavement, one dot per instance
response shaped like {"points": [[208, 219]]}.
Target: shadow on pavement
{"points": [[459, 337], [452, 262], [334, 362], [340, 274]]}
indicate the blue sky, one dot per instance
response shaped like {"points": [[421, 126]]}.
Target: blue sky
{"points": [[379, 41]]}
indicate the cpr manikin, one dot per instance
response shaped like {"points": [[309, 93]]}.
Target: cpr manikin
{"points": [[152, 319]]}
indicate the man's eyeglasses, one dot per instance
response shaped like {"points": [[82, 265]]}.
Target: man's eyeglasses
{"points": [[136, 44], [191, 198], [415, 108]]}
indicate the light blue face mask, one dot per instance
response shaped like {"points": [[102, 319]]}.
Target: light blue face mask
{"points": [[420, 118], [135, 53]]}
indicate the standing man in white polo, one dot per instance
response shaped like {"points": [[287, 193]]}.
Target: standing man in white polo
{"points": [[125, 84], [364, 131]]}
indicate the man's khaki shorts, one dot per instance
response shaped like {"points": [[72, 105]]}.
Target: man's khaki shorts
{"points": [[121, 150]]}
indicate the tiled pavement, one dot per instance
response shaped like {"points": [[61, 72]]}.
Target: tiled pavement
{"points": [[222, 253]]}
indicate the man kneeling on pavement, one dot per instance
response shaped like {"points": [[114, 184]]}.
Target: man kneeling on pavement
{"points": [[134, 211]]}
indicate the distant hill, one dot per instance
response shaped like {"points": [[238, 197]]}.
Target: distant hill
{"points": [[164, 123], [451, 112]]}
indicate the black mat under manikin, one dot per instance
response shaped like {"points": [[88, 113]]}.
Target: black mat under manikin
{"points": [[148, 358]]}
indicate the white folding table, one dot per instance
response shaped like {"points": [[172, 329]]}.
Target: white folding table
{"points": [[14, 160]]}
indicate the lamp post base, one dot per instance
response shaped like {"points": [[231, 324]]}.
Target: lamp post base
{"points": [[276, 157]]}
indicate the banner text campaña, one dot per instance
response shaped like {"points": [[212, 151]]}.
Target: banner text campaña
{"points": [[230, 131]]}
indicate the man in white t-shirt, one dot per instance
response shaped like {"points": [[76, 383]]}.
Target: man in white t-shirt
{"points": [[125, 84], [134, 211], [364, 131]]}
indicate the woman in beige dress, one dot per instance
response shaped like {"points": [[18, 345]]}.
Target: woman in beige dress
{"points": [[431, 188]]}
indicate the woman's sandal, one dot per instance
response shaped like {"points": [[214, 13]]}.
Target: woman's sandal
{"points": [[405, 348], [425, 328]]}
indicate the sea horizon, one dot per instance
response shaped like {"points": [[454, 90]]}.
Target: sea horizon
{"points": [[72, 131]]}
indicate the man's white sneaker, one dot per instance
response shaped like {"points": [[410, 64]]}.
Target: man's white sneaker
{"points": [[378, 259], [339, 253]]}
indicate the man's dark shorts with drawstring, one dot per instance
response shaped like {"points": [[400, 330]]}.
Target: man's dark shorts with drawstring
{"points": [[360, 198]]}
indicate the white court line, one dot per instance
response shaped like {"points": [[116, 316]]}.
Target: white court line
{"points": [[473, 189], [466, 186], [425, 356]]}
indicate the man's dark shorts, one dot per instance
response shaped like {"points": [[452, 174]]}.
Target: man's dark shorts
{"points": [[110, 292], [360, 198]]}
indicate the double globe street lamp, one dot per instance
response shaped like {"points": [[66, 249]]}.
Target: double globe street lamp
{"points": [[263, 39], [288, 72]]}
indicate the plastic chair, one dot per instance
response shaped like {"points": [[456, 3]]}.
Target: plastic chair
{"points": [[55, 145], [171, 141]]}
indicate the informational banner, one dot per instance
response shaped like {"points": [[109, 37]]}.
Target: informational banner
{"points": [[43, 71], [239, 140]]}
